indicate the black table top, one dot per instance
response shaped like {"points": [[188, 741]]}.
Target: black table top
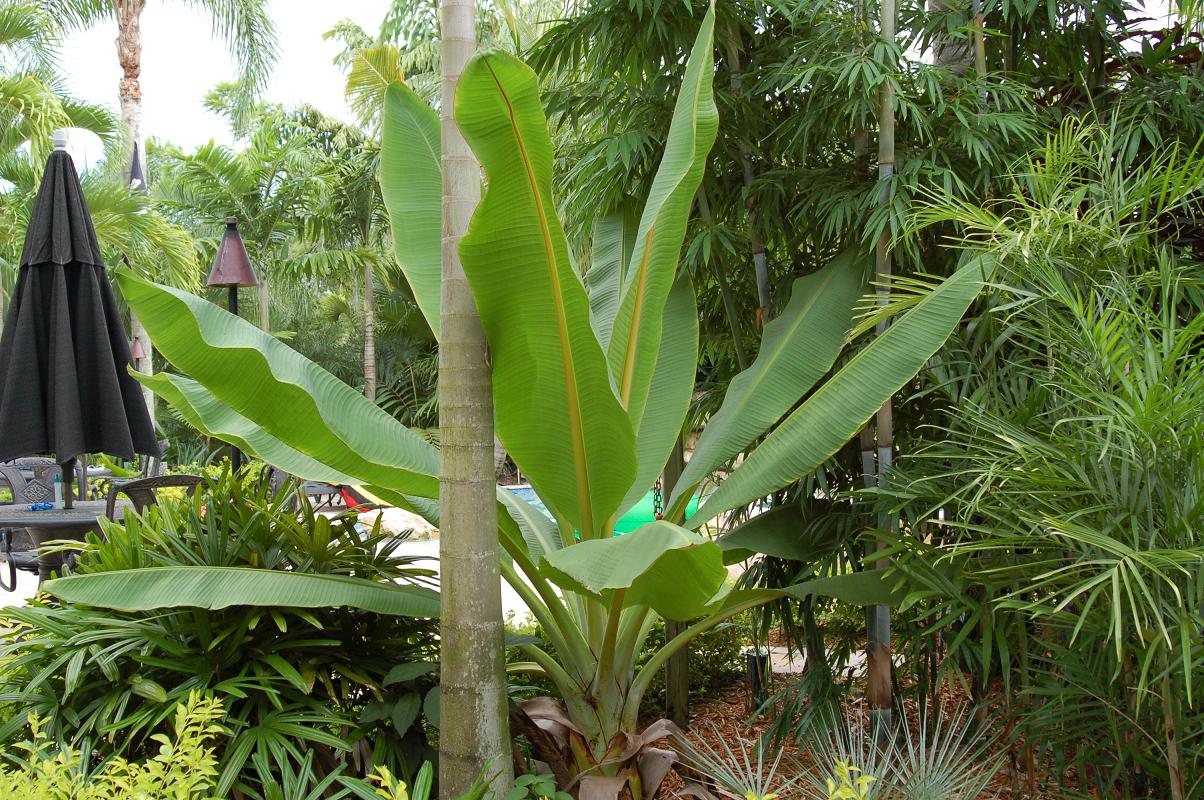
{"points": [[85, 514]]}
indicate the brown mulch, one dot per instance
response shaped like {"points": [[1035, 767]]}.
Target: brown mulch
{"points": [[722, 718]]}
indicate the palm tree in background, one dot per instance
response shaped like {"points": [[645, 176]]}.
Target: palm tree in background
{"points": [[351, 225], [32, 105], [288, 188], [406, 47], [33, 102], [245, 27]]}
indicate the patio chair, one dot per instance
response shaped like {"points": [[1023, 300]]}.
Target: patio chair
{"points": [[148, 467], [142, 491], [43, 470], [36, 489]]}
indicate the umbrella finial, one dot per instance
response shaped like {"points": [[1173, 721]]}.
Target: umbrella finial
{"points": [[59, 138]]}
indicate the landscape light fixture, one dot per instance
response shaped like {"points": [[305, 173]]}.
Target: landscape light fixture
{"points": [[232, 269]]}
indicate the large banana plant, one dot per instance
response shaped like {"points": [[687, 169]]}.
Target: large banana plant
{"points": [[591, 388]]}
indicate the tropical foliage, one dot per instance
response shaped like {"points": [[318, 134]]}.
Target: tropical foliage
{"points": [[1061, 481], [323, 666], [608, 371], [673, 249]]}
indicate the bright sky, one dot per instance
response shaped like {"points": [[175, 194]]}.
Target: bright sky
{"points": [[181, 62]]}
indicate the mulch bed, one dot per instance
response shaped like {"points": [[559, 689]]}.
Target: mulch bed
{"points": [[722, 718]]}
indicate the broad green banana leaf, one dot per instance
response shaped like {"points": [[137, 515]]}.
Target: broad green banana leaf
{"points": [[779, 532], [636, 335], [871, 587], [836, 411], [797, 348], [671, 391], [663, 566], [290, 397], [555, 410], [221, 587], [614, 238], [518, 521], [411, 183], [540, 535], [213, 418]]}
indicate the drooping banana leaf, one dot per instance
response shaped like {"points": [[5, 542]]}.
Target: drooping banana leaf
{"points": [[797, 348], [290, 397], [519, 523], [221, 587], [672, 570], [836, 411], [778, 532], [518, 520], [636, 334], [556, 412], [411, 183], [213, 418]]}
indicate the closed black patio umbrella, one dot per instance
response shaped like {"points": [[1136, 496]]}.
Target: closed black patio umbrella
{"points": [[64, 384]]}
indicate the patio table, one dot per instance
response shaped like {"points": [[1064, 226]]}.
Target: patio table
{"points": [[57, 523]]}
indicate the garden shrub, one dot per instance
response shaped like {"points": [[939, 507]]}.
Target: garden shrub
{"points": [[183, 768], [296, 683]]}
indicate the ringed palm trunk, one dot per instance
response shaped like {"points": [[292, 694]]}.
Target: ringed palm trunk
{"points": [[129, 55], [475, 730], [878, 646], [265, 299], [369, 332]]}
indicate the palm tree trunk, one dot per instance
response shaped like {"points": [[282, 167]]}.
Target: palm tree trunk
{"points": [[265, 308], [129, 92], [369, 332], [474, 735], [145, 364], [878, 650], [129, 55], [1174, 760]]}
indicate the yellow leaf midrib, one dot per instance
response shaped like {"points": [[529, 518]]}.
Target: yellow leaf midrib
{"points": [[576, 432]]}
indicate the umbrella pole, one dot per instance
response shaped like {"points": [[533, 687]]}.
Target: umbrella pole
{"points": [[68, 469]]}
